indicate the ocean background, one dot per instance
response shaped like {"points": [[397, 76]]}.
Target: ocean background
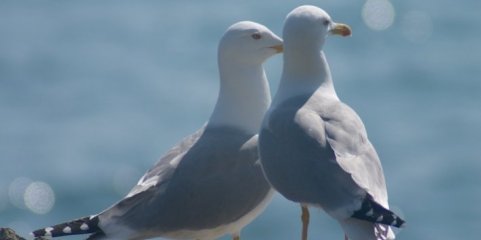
{"points": [[92, 93]]}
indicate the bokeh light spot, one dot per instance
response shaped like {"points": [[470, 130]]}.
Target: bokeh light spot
{"points": [[39, 197], [16, 190], [378, 14]]}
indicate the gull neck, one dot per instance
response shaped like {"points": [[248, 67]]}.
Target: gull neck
{"points": [[305, 72], [244, 96]]}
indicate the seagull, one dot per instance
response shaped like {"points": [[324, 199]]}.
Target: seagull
{"points": [[211, 183], [314, 148]]}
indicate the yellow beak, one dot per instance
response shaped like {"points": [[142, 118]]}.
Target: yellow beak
{"points": [[341, 29], [278, 48]]}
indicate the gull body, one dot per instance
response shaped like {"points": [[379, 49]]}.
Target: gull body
{"points": [[211, 183], [314, 148]]}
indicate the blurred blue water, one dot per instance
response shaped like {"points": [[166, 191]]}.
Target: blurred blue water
{"points": [[93, 92]]}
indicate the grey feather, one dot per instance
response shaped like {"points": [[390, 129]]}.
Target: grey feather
{"points": [[307, 145], [213, 160]]}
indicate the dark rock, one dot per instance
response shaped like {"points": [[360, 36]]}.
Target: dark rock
{"points": [[9, 234]]}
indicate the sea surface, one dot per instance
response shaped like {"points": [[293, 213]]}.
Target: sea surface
{"points": [[92, 93]]}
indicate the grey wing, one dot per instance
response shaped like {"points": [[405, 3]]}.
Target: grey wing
{"points": [[154, 181], [208, 181], [162, 171], [308, 146], [220, 179], [346, 135], [299, 162]]}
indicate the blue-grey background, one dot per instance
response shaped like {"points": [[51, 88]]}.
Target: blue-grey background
{"points": [[92, 93]]}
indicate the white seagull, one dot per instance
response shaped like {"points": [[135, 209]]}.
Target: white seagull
{"points": [[211, 183], [314, 148]]}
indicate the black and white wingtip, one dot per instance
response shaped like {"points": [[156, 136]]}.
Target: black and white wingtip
{"points": [[372, 211], [84, 225]]}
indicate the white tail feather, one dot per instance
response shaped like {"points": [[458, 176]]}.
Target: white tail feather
{"points": [[361, 230]]}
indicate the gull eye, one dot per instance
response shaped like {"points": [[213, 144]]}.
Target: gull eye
{"points": [[256, 36], [326, 22]]}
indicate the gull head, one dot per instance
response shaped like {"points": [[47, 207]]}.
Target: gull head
{"points": [[249, 42], [307, 25]]}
